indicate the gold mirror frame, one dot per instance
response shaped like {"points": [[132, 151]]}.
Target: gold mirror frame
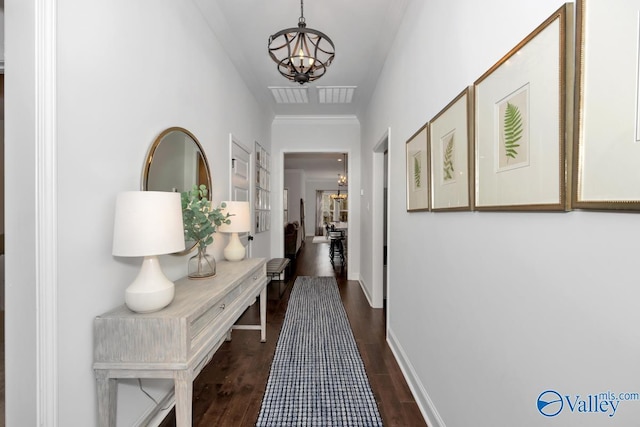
{"points": [[175, 163]]}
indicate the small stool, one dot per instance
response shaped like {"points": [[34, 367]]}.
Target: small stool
{"points": [[275, 267]]}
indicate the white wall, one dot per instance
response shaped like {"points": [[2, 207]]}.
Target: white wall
{"points": [[125, 71], [322, 134], [294, 181], [488, 310], [20, 178]]}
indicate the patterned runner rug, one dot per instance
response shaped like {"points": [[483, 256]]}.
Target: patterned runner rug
{"points": [[317, 377]]}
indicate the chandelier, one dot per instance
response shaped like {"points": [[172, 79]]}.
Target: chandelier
{"points": [[338, 196], [302, 54], [342, 178]]}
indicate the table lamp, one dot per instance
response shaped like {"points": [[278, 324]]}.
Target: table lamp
{"points": [[240, 223], [148, 224]]}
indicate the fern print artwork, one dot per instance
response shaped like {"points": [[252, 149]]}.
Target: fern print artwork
{"points": [[448, 156], [513, 126], [417, 171], [512, 130]]}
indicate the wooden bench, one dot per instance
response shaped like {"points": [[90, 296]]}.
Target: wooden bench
{"points": [[275, 268]]}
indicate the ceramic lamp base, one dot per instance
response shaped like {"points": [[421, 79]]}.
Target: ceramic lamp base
{"points": [[234, 251], [151, 290]]}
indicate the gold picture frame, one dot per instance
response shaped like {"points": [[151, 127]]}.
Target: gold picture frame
{"points": [[521, 110], [451, 144], [607, 128], [417, 161]]}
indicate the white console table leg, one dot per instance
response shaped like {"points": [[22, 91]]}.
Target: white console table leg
{"points": [[263, 314], [262, 327], [107, 399], [183, 383]]}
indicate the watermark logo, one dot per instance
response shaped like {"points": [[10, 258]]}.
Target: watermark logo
{"points": [[551, 403]]}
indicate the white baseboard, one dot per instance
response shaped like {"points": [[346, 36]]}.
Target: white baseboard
{"points": [[365, 291], [427, 408]]}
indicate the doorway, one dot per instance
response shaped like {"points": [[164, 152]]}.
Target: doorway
{"points": [[240, 181], [2, 394], [380, 220], [305, 173], [314, 179], [385, 222]]}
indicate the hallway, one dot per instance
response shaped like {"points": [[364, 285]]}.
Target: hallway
{"points": [[228, 392]]}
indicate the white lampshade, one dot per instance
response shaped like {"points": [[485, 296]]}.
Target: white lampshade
{"points": [[240, 223], [240, 217], [147, 224]]}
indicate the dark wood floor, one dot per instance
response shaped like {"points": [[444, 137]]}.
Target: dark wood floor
{"points": [[228, 392]]}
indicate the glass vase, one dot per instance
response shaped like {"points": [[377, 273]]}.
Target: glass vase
{"points": [[201, 265]]}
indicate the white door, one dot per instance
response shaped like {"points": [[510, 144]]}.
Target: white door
{"points": [[240, 179]]}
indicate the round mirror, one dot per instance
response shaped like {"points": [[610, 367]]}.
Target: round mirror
{"points": [[176, 162]]}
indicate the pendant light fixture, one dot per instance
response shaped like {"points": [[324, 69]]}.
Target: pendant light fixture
{"points": [[342, 179], [302, 54], [338, 196]]}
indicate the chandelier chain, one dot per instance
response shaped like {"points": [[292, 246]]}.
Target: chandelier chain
{"points": [[302, 21]]}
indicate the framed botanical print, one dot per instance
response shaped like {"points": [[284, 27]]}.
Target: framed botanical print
{"points": [[417, 154], [607, 120], [520, 118], [451, 145]]}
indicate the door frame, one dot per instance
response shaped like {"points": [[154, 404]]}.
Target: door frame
{"points": [[245, 238], [377, 220]]}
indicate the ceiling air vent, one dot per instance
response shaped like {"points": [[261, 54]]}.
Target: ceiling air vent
{"points": [[290, 95], [336, 94]]}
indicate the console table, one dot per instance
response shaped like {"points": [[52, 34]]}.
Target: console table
{"points": [[179, 340]]}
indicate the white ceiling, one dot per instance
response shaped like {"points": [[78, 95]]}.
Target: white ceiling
{"points": [[362, 32]]}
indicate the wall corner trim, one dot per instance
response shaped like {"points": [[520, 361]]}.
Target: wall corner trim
{"points": [[46, 217]]}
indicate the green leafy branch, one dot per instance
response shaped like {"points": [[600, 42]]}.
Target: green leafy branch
{"points": [[199, 218], [448, 169], [512, 130]]}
